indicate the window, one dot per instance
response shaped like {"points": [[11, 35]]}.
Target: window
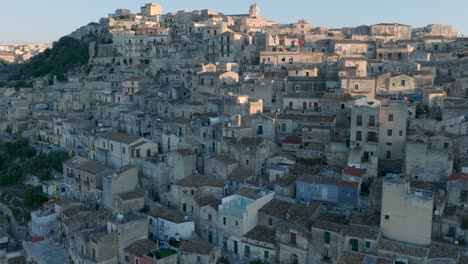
{"points": [[388, 154], [270, 221], [354, 244], [127, 258], [390, 117], [266, 254], [371, 120], [192, 192], [367, 244], [260, 130], [400, 133], [297, 88], [389, 143], [372, 137], [359, 120], [247, 251], [198, 258], [283, 127], [123, 150], [358, 135], [209, 217], [151, 221], [389, 132], [463, 196], [356, 87], [292, 238], [94, 253], [237, 223], [403, 82], [387, 217], [137, 261], [224, 220], [446, 145], [112, 147], [184, 207], [327, 237], [148, 153]]}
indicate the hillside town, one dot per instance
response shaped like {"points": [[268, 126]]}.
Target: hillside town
{"points": [[21, 52], [203, 137]]}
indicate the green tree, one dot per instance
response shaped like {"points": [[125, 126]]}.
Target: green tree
{"points": [[65, 55], [257, 261], [34, 197]]}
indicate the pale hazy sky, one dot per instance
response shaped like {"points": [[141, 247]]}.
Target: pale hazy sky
{"points": [[39, 21]]}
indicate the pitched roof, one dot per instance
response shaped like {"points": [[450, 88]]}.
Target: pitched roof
{"points": [[292, 140], [364, 219], [262, 233], [319, 179], [443, 251], [351, 257], [353, 171], [239, 175], [251, 193], [349, 184], [308, 118], [462, 260], [402, 248], [195, 180], [286, 180], [361, 232], [276, 208], [120, 137], [227, 159], [141, 247], [459, 177], [168, 214], [73, 210], [186, 152], [92, 167], [208, 200], [196, 246], [132, 195], [251, 140]]}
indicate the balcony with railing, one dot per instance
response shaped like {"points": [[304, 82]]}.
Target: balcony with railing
{"points": [[373, 125]]}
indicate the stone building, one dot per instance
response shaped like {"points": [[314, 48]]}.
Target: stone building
{"points": [[406, 212]]}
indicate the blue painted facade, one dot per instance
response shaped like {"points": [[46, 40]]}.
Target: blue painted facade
{"points": [[349, 195], [308, 192], [323, 192]]}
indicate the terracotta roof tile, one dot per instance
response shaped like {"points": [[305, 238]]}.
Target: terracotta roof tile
{"points": [[354, 171], [292, 140], [349, 184], [458, 176]]}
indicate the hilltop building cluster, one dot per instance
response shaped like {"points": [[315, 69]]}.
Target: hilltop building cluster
{"points": [[203, 137], [21, 52]]}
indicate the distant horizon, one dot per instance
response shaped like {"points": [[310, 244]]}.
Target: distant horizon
{"points": [[44, 24]]}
